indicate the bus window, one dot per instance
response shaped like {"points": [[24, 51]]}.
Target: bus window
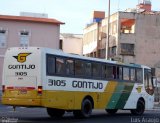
{"points": [[139, 75], [50, 65], [69, 67], [96, 70], [126, 73], [148, 82], [60, 65], [104, 76], [108, 72], [88, 69], [119, 73], [132, 73], [79, 65]]}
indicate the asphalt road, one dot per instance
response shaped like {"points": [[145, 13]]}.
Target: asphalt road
{"points": [[7, 114]]}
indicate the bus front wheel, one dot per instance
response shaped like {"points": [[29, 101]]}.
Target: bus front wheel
{"points": [[86, 109], [55, 113], [140, 108]]}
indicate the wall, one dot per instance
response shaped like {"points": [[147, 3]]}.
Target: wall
{"points": [[46, 35], [146, 39], [72, 45], [90, 38]]}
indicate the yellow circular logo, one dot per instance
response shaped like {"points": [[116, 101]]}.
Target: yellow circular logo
{"points": [[21, 57]]}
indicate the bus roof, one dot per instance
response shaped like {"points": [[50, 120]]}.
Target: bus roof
{"points": [[59, 52]]}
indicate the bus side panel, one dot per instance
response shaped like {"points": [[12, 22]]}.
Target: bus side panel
{"points": [[58, 99], [137, 93], [105, 97], [68, 93], [67, 100], [119, 96]]}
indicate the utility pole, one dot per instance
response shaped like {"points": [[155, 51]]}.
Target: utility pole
{"points": [[107, 30]]}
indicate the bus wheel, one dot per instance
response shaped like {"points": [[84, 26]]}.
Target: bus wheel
{"points": [[140, 108], [111, 111], [86, 109], [55, 113]]}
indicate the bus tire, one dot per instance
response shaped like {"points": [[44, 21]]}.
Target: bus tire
{"points": [[86, 109], [139, 109], [55, 113], [111, 111]]}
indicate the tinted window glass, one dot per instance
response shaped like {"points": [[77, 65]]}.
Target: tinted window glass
{"points": [[88, 70], [148, 82], [50, 65], [96, 70], [69, 67], [119, 73], [125, 73], [139, 75], [133, 77], [60, 66], [79, 65], [108, 71]]}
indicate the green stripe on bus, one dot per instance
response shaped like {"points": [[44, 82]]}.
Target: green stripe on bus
{"points": [[110, 89], [124, 96], [115, 97]]}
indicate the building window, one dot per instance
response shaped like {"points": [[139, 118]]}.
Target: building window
{"points": [[24, 38], [127, 25], [113, 27], [61, 44], [127, 49], [3, 35], [112, 51]]}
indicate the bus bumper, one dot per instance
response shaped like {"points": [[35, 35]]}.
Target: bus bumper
{"points": [[21, 102]]}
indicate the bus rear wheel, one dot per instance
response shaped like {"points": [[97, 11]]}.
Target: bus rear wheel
{"points": [[111, 111], [140, 108], [55, 113], [86, 109]]}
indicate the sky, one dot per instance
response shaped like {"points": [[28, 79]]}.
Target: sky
{"points": [[76, 14]]}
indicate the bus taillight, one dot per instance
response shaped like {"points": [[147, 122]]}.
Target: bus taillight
{"points": [[3, 88], [40, 90]]}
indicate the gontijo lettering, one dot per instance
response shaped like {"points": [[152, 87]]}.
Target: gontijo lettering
{"points": [[85, 84], [77, 84], [23, 66]]}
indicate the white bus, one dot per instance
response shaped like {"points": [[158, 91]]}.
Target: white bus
{"points": [[42, 77]]}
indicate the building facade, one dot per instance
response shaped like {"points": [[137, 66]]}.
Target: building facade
{"points": [[91, 36], [23, 31], [134, 37], [71, 43]]}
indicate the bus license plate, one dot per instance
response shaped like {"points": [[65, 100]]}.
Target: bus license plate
{"points": [[22, 91]]}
